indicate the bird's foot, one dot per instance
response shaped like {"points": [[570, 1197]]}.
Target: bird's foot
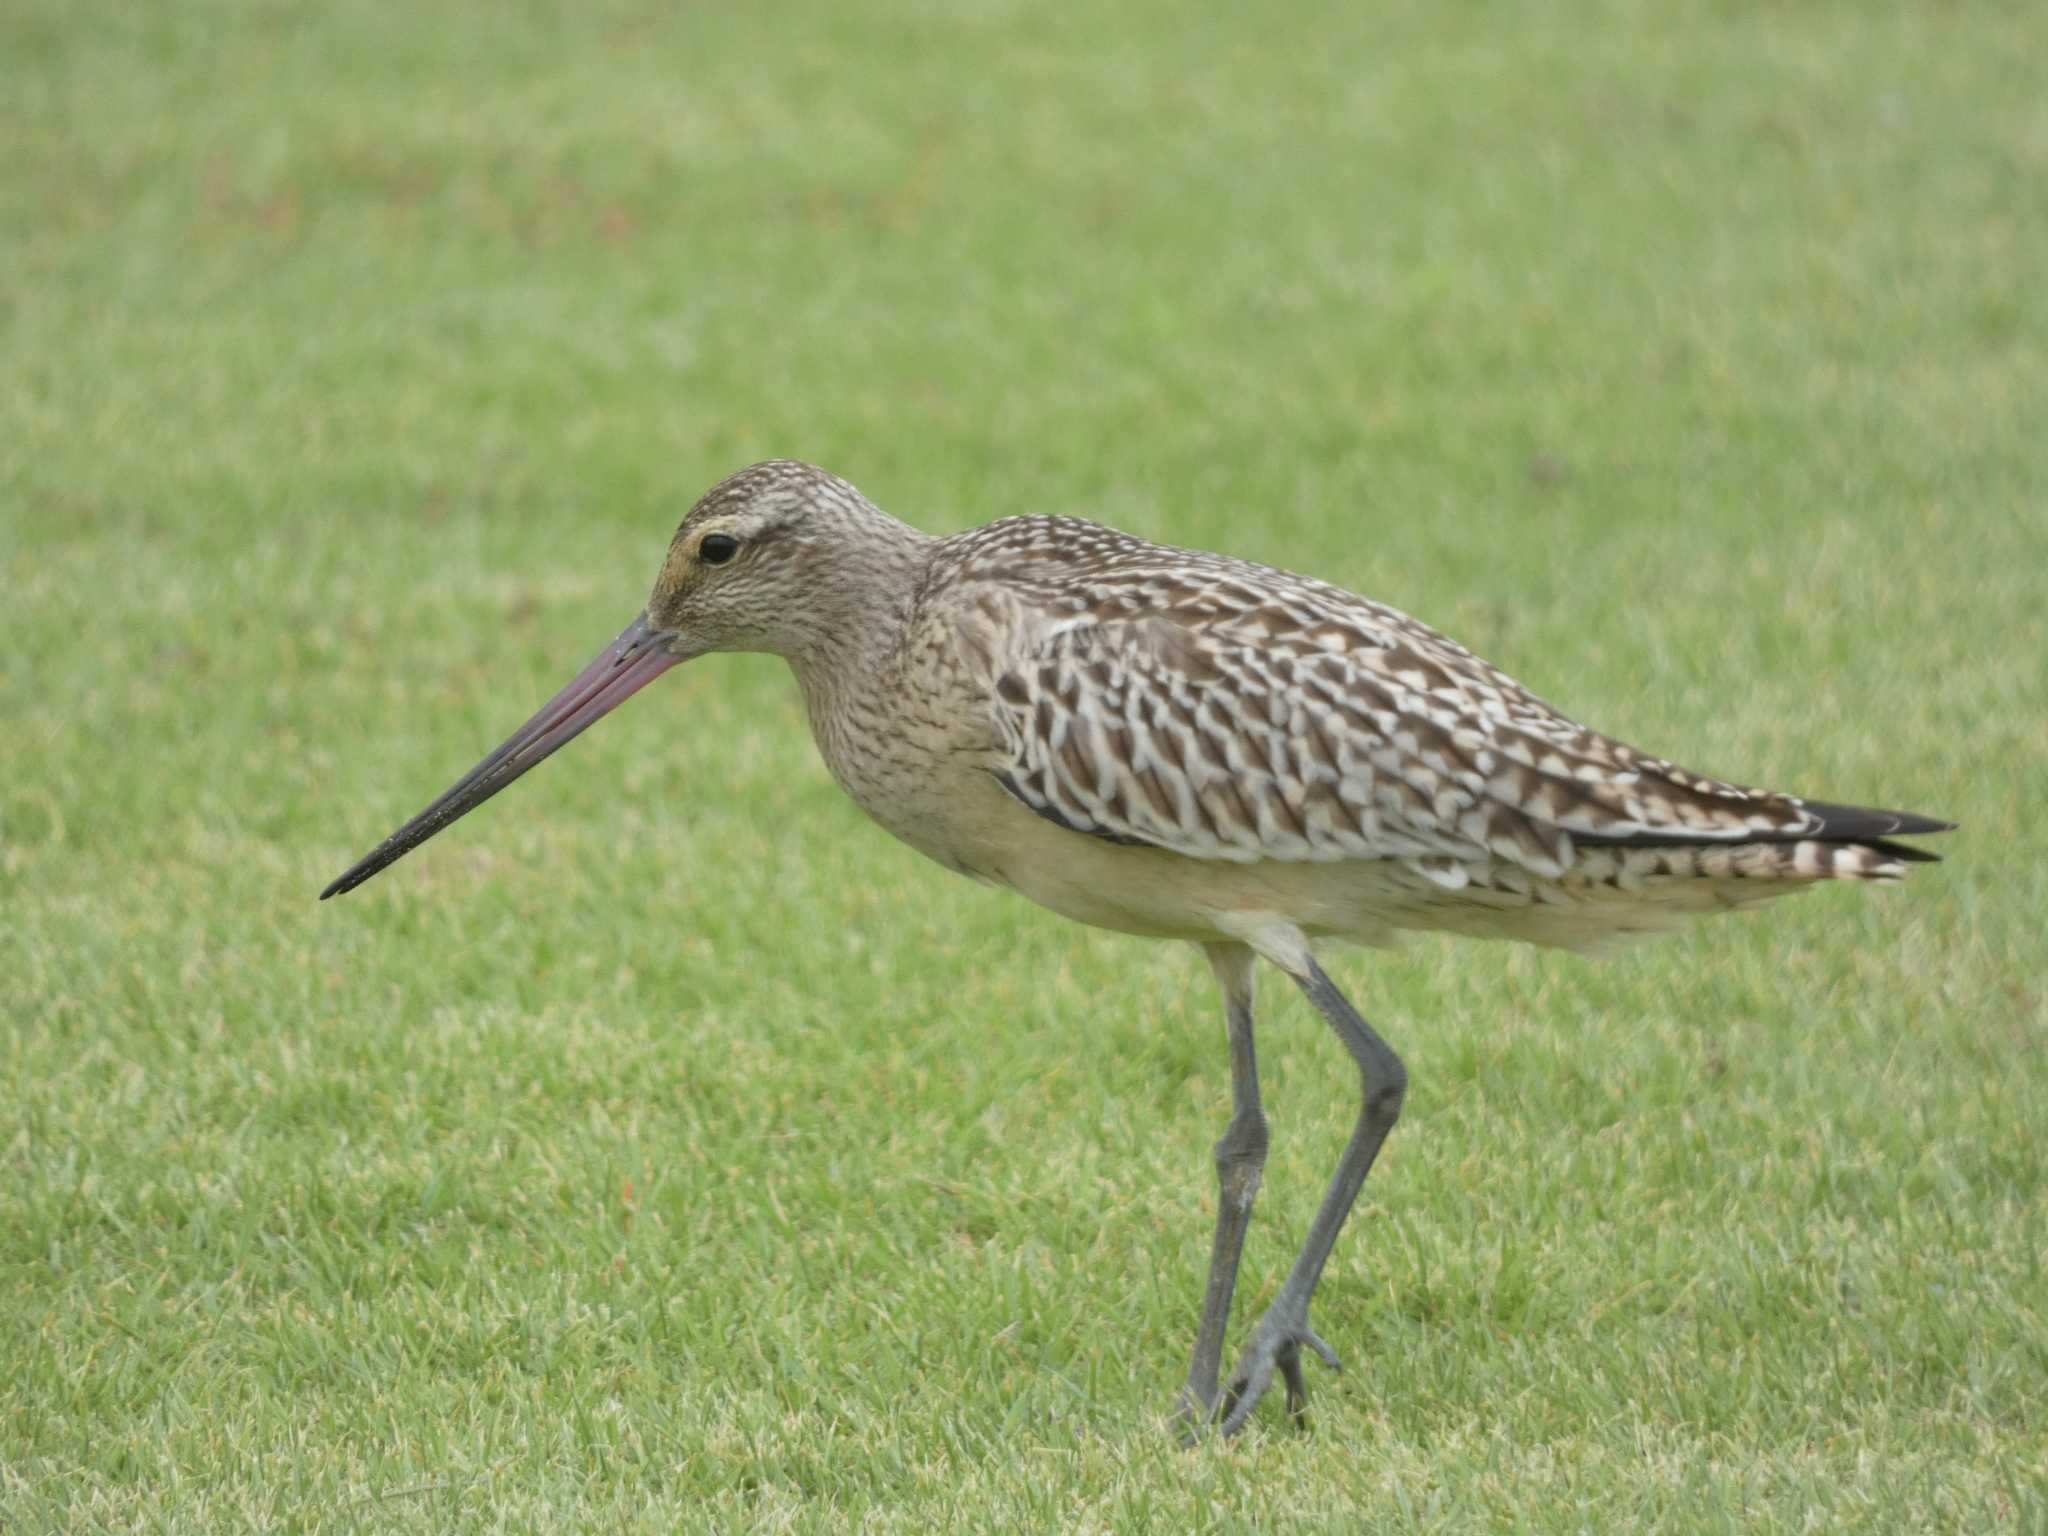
{"points": [[1191, 1415], [1276, 1344]]}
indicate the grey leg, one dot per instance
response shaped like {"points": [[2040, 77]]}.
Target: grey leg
{"points": [[1276, 1341], [1240, 1161]]}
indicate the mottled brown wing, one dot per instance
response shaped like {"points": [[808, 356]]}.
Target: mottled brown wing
{"points": [[1318, 730]]}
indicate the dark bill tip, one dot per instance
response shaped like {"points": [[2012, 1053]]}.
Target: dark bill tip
{"points": [[622, 669]]}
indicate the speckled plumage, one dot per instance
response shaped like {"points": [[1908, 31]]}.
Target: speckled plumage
{"points": [[1192, 746], [1166, 701], [1226, 710]]}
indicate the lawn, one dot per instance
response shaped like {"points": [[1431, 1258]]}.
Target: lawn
{"points": [[666, 1149]]}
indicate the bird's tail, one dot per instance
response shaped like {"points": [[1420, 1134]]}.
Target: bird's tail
{"points": [[1808, 859], [1820, 841]]}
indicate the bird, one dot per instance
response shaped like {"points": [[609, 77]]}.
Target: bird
{"points": [[1192, 746]]}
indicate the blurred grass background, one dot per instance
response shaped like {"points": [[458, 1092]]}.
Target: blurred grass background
{"points": [[665, 1148]]}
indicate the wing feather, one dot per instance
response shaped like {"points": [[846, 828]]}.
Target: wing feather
{"points": [[1225, 710]]}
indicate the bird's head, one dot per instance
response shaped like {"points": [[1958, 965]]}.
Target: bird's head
{"points": [[780, 557], [764, 561]]}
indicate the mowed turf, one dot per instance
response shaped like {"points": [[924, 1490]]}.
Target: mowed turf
{"points": [[664, 1148]]}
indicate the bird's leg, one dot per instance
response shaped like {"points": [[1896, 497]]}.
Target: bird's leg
{"points": [[1277, 1339], [1240, 1161]]}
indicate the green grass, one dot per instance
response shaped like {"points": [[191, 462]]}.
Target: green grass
{"points": [[664, 1149]]}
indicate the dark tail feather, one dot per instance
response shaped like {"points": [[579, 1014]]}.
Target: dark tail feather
{"points": [[1861, 824], [1906, 853], [1858, 824], [1876, 829]]}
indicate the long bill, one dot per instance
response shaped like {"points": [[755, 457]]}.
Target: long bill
{"points": [[621, 670]]}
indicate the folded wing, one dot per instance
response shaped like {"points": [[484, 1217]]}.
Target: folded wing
{"points": [[1321, 726]]}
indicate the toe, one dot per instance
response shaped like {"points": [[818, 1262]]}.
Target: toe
{"points": [[1246, 1390], [1297, 1388], [1323, 1351], [1192, 1416]]}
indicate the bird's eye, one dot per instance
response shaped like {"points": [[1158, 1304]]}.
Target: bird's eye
{"points": [[718, 548]]}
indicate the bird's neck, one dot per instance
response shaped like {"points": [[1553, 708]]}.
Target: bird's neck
{"points": [[859, 620]]}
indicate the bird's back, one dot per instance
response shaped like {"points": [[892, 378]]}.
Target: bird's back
{"points": [[1232, 713]]}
